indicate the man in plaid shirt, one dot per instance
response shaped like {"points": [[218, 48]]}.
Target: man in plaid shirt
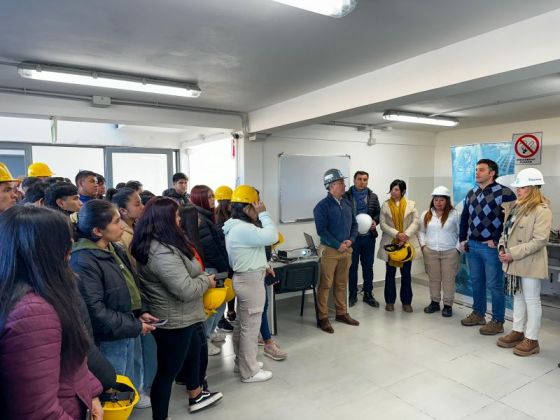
{"points": [[481, 227]]}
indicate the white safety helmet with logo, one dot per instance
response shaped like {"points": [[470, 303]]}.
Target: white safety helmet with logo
{"points": [[364, 221], [441, 191], [528, 177]]}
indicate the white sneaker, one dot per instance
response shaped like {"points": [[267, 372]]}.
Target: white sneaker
{"points": [[217, 337], [144, 401], [236, 367], [212, 349], [260, 376]]}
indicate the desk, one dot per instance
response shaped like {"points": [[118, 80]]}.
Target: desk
{"points": [[296, 276]]}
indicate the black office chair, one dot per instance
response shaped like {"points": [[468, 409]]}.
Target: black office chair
{"points": [[298, 277]]}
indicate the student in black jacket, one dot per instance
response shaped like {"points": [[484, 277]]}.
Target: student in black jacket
{"points": [[108, 286], [214, 256]]}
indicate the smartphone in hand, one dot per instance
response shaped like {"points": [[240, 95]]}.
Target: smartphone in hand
{"points": [[159, 323]]}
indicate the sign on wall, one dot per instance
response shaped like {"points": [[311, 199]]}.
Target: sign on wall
{"points": [[527, 148]]}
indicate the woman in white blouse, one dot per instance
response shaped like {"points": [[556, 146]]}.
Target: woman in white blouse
{"points": [[439, 239]]}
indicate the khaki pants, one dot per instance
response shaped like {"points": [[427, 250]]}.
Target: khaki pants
{"points": [[249, 288], [334, 269], [442, 267]]}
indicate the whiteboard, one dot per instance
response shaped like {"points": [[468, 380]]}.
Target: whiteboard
{"points": [[301, 183]]}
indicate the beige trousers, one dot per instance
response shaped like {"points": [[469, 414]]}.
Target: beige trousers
{"points": [[334, 270], [250, 292], [442, 267]]}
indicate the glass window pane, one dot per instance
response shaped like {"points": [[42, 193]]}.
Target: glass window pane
{"points": [[212, 164], [68, 161], [15, 160], [148, 168]]}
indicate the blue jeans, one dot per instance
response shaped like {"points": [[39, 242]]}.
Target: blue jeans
{"points": [[265, 328], [212, 321], [362, 250], [149, 358], [126, 357], [486, 271]]}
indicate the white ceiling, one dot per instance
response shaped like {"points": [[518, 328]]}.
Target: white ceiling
{"points": [[245, 54]]}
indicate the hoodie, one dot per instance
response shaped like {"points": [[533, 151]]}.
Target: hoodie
{"points": [[245, 243]]}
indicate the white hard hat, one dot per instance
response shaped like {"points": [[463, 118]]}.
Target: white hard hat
{"points": [[527, 177], [364, 221], [441, 190]]}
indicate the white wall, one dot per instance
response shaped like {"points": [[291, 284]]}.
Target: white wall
{"points": [[407, 155], [550, 157]]}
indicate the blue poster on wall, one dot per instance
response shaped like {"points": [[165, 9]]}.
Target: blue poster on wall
{"points": [[463, 164]]}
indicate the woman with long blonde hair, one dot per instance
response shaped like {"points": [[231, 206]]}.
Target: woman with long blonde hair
{"points": [[522, 251]]}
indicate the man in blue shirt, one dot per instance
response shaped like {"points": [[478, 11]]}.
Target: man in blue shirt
{"points": [[337, 229], [86, 181], [480, 230], [364, 201]]}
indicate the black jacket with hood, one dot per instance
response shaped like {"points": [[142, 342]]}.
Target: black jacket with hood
{"points": [[213, 242]]}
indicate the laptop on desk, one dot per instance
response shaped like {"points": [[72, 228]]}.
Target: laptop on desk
{"points": [[310, 243]]}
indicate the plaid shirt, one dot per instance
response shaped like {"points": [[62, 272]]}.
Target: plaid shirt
{"points": [[483, 217]]}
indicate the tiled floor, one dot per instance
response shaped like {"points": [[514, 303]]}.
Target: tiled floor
{"points": [[393, 366]]}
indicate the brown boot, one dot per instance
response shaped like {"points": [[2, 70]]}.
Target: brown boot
{"points": [[527, 347], [510, 340], [473, 319], [492, 328], [325, 325], [390, 307], [407, 308], [347, 319]]}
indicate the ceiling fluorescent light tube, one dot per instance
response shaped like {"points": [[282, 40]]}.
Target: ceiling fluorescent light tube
{"points": [[411, 117], [107, 80], [333, 8]]}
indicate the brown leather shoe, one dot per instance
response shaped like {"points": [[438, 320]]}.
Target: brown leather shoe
{"points": [[390, 307], [473, 319], [347, 319], [407, 308], [325, 325], [510, 340], [527, 347], [492, 328]]}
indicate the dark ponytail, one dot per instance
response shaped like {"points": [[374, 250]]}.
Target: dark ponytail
{"points": [[94, 214]]}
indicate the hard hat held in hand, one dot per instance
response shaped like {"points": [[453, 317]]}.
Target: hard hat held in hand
{"points": [[245, 194], [528, 177], [441, 191], [39, 169], [213, 299], [364, 223]]}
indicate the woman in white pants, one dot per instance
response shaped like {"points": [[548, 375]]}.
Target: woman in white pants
{"points": [[522, 251], [245, 244]]}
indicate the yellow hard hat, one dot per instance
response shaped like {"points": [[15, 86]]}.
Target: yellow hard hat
{"points": [[119, 401], [230, 293], [280, 240], [213, 299], [39, 169], [223, 193], [5, 174], [244, 194], [398, 253]]}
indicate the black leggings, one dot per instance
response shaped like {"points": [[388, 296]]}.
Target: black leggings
{"points": [[178, 350]]}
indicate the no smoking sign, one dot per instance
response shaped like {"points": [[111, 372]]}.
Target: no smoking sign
{"points": [[528, 148]]}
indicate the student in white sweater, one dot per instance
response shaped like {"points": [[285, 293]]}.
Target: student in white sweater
{"points": [[439, 239]]}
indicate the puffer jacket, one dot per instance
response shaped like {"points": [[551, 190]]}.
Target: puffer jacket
{"points": [[527, 242], [213, 242], [105, 292], [411, 225], [373, 208], [183, 200], [172, 286], [32, 385]]}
